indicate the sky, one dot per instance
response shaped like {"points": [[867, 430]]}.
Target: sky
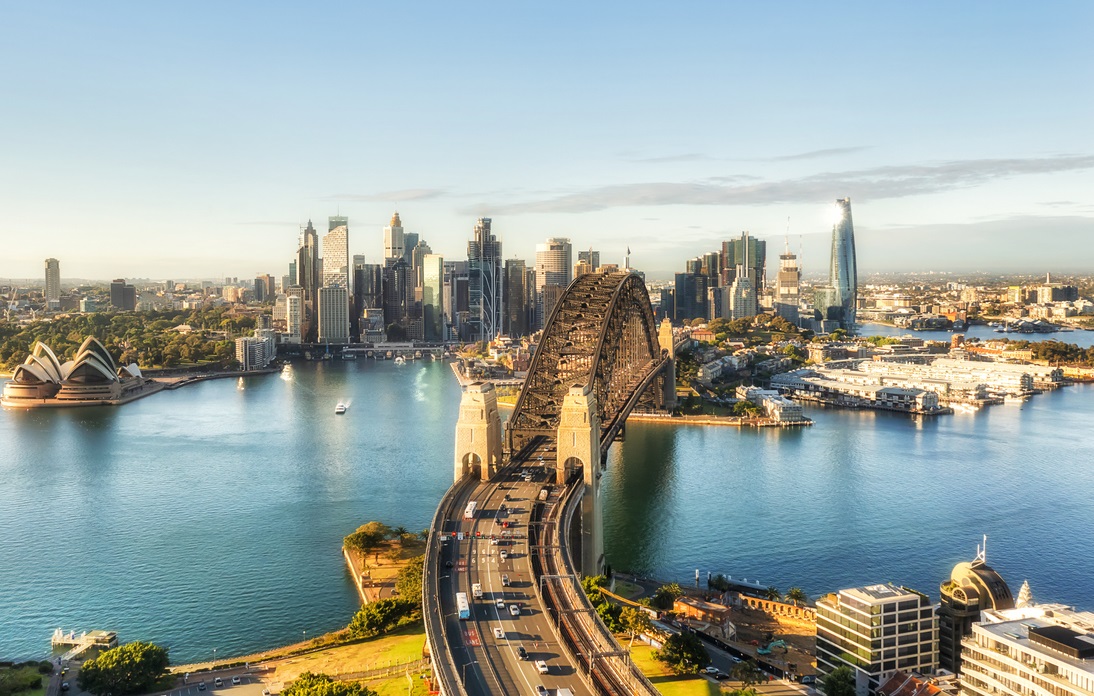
{"points": [[186, 140]]}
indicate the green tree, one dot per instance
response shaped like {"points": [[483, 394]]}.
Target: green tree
{"points": [[310, 684], [746, 408], [408, 584], [666, 595], [797, 596], [840, 682], [684, 653], [368, 537], [381, 616], [718, 582], [609, 613], [773, 594], [133, 668], [747, 672], [635, 621], [592, 584]]}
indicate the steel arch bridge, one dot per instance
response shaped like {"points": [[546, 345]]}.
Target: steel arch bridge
{"points": [[601, 333]]}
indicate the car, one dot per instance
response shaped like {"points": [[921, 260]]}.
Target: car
{"points": [[235, 681], [541, 667], [809, 679], [541, 690], [710, 669], [64, 686], [499, 634], [505, 581], [504, 554], [514, 610], [218, 682], [501, 603], [522, 653], [201, 685], [265, 692]]}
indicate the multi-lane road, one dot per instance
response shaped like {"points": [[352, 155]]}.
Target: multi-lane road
{"points": [[494, 553]]}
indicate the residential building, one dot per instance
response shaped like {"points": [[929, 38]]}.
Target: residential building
{"points": [[336, 268], [554, 266], [876, 630], [256, 352], [484, 275], [742, 296], [394, 240], [294, 314], [333, 314], [53, 283], [972, 588]]}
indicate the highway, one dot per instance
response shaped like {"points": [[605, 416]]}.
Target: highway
{"points": [[487, 662]]}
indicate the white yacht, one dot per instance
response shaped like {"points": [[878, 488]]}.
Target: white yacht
{"points": [[340, 408]]}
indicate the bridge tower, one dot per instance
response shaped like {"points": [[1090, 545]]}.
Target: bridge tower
{"points": [[579, 446], [478, 433], [668, 348]]}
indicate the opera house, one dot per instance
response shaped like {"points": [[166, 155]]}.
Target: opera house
{"points": [[90, 378]]}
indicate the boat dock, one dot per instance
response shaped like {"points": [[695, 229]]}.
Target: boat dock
{"points": [[78, 644]]}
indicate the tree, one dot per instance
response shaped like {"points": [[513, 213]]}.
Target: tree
{"points": [[310, 684], [609, 613], [773, 594], [840, 682], [747, 672], [133, 668], [684, 653], [381, 616], [409, 582], [666, 596], [719, 582], [797, 596], [367, 537], [592, 584], [635, 621]]}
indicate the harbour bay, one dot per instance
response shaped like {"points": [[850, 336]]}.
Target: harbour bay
{"points": [[211, 517]]}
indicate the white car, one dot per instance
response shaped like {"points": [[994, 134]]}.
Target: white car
{"points": [[501, 604], [504, 554], [514, 610], [235, 681], [499, 634], [541, 666]]}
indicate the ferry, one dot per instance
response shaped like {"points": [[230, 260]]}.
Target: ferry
{"points": [[340, 408], [400, 360]]}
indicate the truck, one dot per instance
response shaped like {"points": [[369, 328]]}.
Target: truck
{"points": [[543, 493], [476, 591], [469, 511]]}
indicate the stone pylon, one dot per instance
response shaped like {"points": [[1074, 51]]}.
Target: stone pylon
{"points": [[579, 446], [478, 433], [666, 341]]}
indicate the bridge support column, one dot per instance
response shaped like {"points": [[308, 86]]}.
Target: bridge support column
{"points": [[668, 348], [579, 445], [478, 433]]}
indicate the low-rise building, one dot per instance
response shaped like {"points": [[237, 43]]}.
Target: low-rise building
{"points": [[776, 406]]}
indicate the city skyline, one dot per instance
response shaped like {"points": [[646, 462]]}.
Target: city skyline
{"points": [[783, 112]]}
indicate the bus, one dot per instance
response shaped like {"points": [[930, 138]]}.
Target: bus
{"points": [[469, 511], [476, 591], [462, 606]]}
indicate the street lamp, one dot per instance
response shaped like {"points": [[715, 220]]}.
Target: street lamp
{"points": [[214, 657]]}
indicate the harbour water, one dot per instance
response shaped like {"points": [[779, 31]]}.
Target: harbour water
{"points": [[984, 333], [211, 517]]}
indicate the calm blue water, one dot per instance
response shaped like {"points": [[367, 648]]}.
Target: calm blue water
{"points": [[212, 517], [984, 333]]}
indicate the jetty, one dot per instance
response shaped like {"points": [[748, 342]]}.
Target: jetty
{"points": [[79, 643]]}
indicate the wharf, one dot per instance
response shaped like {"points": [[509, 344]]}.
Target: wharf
{"points": [[733, 421], [149, 387], [182, 381], [78, 644]]}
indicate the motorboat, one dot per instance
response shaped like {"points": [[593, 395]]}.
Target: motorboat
{"points": [[340, 408], [400, 360]]}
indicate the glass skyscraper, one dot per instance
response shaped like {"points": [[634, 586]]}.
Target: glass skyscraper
{"points": [[843, 275]]}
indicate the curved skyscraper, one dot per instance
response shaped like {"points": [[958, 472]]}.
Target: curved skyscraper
{"points": [[843, 275]]}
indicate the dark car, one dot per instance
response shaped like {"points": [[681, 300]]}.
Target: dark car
{"points": [[448, 564], [809, 679], [522, 653], [64, 686], [201, 685]]}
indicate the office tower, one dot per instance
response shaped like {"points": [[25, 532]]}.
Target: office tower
{"points": [[368, 285], [308, 277], [554, 266], [1033, 649], [393, 240], [745, 251], [518, 299], [259, 289], [333, 314], [694, 266], [581, 268], [417, 256], [590, 257], [280, 312], [433, 316], [548, 298], [398, 289], [876, 630], [787, 286], [294, 314], [122, 295], [667, 304], [53, 283], [336, 269], [718, 302], [336, 221], [484, 283], [742, 296], [972, 588], [690, 297], [292, 276], [712, 268], [836, 302], [410, 240]]}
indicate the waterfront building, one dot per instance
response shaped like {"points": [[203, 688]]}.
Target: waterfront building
{"points": [[336, 269], [333, 314], [122, 295], [787, 287], [519, 302], [855, 390], [484, 283], [554, 266], [776, 406], [433, 316], [1029, 650], [837, 301], [876, 630], [394, 240], [91, 376], [53, 284], [972, 588], [255, 352]]}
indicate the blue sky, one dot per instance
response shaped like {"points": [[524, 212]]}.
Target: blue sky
{"points": [[187, 140]]}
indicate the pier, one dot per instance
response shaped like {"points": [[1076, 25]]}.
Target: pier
{"points": [[78, 644]]}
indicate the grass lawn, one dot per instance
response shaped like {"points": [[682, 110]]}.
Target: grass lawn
{"points": [[15, 677], [401, 646], [398, 687], [627, 589], [668, 683]]}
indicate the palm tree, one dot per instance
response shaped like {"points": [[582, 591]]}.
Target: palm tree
{"points": [[773, 594], [797, 596], [399, 532]]}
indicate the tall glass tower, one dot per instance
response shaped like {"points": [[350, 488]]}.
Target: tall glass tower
{"points": [[843, 274]]}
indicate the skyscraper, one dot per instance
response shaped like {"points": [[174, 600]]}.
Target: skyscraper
{"points": [[307, 277], [53, 283], [554, 267], [590, 257], [484, 283], [745, 251], [518, 299], [122, 295], [393, 239], [336, 269], [787, 287], [971, 589], [417, 258], [333, 314], [742, 297], [837, 301], [433, 315]]}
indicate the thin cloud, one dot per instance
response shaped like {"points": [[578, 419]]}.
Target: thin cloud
{"points": [[269, 223], [877, 183], [416, 194], [687, 157], [818, 154]]}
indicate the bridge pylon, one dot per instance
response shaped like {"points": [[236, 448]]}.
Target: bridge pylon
{"points": [[579, 446], [478, 433], [668, 348]]}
